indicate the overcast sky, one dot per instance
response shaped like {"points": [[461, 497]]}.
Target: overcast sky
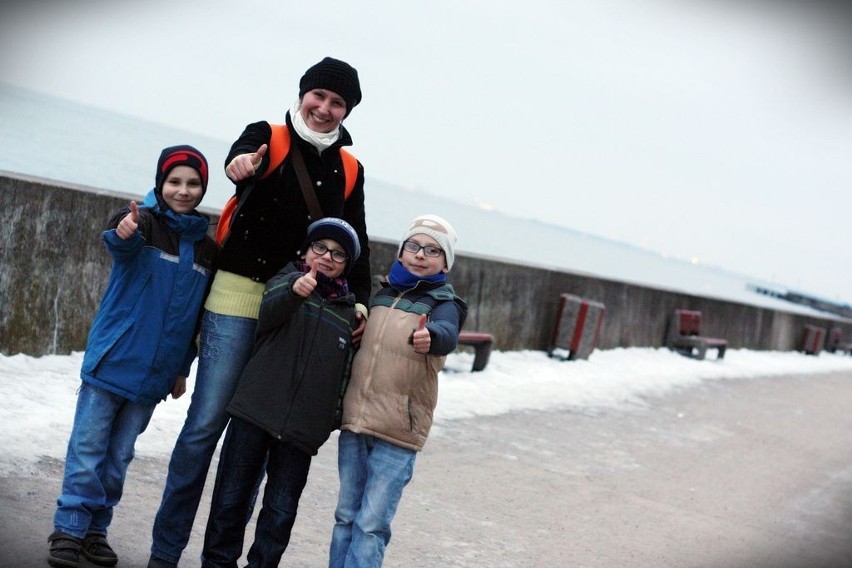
{"points": [[711, 130]]}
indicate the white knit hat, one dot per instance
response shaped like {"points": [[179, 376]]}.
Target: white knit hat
{"points": [[439, 229]]}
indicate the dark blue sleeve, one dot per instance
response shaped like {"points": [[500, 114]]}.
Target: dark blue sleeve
{"points": [[443, 326]]}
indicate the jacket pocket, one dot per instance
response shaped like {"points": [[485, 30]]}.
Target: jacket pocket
{"points": [[105, 346]]}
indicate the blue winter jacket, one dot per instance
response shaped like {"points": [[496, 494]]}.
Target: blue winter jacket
{"points": [[142, 337]]}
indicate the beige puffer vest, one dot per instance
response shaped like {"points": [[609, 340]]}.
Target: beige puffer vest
{"points": [[393, 390]]}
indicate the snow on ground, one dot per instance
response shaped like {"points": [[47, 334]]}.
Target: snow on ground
{"points": [[39, 392]]}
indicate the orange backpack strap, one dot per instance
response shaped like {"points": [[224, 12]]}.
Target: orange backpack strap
{"points": [[350, 171], [223, 226], [279, 147]]}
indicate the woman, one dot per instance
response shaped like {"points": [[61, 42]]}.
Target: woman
{"points": [[266, 233]]}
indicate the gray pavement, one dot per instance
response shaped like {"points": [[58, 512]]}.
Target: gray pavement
{"points": [[740, 473]]}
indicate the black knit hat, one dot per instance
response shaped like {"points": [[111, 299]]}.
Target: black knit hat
{"points": [[333, 75], [338, 230], [184, 155]]}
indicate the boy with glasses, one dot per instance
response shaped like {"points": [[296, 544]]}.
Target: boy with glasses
{"points": [[288, 399], [414, 323]]}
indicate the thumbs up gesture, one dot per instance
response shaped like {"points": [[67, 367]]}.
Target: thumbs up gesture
{"points": [[420, 338], [245, 165], [128, 225], [304, 285]]}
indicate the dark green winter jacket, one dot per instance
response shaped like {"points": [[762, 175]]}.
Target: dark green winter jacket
{"points": [[293, 385]]}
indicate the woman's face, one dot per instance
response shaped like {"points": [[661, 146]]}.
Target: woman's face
{"points": [[322, 110]]}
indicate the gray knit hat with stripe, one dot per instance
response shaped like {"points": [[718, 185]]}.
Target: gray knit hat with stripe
{"points": [[439, 229]]}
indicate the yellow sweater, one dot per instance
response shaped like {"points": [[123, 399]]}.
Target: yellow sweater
{"points": [[234, 295]]}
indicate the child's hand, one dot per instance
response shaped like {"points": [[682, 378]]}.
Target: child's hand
{"points": [[128, 225], [179, 388], [421, 339], [304, 285], [244, 166]]}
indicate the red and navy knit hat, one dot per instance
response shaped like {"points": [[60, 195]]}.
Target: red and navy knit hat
{"points": [[184, 155]]}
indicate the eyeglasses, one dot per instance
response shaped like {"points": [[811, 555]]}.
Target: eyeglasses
{"points": [[428, 250], [337, 255]]}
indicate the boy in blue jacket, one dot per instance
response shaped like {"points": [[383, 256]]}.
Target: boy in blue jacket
{"points": [[139, 351]]}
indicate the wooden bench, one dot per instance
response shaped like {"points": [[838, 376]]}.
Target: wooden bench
{"points": [[685, 336], [481, 343], [837, 342]]}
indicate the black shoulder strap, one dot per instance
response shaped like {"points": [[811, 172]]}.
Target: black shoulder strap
{"points": [[314, 208]]}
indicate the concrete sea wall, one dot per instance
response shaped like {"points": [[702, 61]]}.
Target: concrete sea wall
{"points": [[54, 267]]}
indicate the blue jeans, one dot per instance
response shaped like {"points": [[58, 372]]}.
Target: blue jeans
{"points": [[101, 447], [373, 474], [241, 462], [226, 345]]}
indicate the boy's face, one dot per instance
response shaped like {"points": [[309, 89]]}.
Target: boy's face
{"points": [[322, 110], [182, 189], [419, 263], [325, 261]]}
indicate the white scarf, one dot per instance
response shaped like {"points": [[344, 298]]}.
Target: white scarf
{"points": [[320, 140]]}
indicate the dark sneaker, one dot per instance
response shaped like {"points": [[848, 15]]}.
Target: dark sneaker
{"points": [[97, 550], [64, 550], [155, 562]]}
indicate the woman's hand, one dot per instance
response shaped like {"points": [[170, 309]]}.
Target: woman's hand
{"points": [[358, 332], [245, 166]]}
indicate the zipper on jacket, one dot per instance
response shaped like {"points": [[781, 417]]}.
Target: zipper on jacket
{"points": [[297, 384]]}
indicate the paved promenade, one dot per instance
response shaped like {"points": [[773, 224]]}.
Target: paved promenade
{"points": [[744, 473]]}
